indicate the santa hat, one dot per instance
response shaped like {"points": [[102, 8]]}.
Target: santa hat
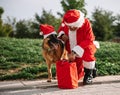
{"points": [[74, 18], [47, 30]]}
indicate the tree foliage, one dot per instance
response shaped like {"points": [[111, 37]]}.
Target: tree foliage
{"points": [[46, 18], [24, 30], [103, 24], [1, 11], [76, 4], [21, 29], [117, 26], [5, 29]]}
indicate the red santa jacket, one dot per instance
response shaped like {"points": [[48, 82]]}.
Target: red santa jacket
{"points": [[79, 40]]}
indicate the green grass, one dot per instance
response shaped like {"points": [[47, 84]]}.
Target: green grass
{"points": [[22, 59], [20, 50]]}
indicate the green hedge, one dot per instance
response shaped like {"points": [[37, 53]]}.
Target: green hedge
{"points": [[108, 58], [23, 57]]}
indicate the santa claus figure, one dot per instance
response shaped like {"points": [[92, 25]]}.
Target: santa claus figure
{"points": [[76, 32]]}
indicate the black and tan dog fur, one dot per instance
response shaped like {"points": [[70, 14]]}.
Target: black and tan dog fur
{"points": [[53, 50]]}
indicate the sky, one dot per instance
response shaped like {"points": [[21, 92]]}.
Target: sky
{"points": [[26, 9]]}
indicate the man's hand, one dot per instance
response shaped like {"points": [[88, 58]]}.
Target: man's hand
{"points": [[71, 56], [64, 38]]}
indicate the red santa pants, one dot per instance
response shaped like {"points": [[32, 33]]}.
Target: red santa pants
{"points": [[88, 61]]}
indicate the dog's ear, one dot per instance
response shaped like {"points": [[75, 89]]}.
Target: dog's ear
{"points": [[52, 40], [53, 36], [45, 43]]}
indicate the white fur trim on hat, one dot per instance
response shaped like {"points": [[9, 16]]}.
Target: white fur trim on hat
{"points": [[41, 33], [60, 33], [89, 65], [77, 23], [78, 50], [62, 24], [45, 36]]}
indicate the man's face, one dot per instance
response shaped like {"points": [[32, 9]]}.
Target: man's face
{"points": [[72, 28]]}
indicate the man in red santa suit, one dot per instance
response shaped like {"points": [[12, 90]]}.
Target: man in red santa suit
{"points": [[76, 32]]}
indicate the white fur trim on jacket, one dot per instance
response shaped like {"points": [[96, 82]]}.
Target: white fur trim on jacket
{"points": [[60, 33], [89, 65], [96, 43], [78, 50], [77, 23]]}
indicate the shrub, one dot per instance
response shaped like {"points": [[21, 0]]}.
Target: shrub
{"points": [[25, 56]]}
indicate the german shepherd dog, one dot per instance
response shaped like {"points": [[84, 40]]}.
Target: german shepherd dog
{"points": [[53, 49]]}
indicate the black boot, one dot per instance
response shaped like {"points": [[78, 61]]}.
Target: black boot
{"points": [[88, 76], [94, 73]]}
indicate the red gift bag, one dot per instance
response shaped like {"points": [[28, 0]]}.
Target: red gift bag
{"points": [[66, 74]]}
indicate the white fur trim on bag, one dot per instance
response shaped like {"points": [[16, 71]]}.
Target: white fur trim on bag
{"points": [[60, 33], [45, 36], [79, 22], [89, 65], [78, 50]]}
